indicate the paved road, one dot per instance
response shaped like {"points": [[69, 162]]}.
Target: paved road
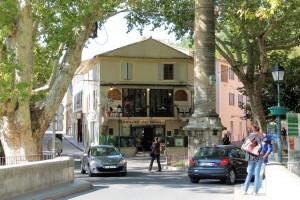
{"points": [[139, 184]]}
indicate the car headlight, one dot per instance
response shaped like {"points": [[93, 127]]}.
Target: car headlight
{"points": [[123, 162], [94, 162]]}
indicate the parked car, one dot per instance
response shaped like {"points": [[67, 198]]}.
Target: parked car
{"points": [[103, 159], [224, 162]]}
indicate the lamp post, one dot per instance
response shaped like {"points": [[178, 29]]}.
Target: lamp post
{"points": [[119, 110], [278, 74]]}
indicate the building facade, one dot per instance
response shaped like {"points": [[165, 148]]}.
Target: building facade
{"points": [[144, 90], [228, 100]]}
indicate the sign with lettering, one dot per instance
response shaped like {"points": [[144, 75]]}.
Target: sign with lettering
{"points": [[144, 122]]}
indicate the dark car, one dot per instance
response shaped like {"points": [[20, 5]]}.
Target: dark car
{"points": [[103, 159], [224, 162]]}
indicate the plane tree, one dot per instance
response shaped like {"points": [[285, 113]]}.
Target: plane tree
{"points": [[40, 48], [247, 32]]}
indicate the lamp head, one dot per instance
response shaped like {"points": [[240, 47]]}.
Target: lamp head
{"points": [[278, 72]]}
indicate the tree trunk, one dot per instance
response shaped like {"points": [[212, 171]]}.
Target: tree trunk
{"points": [[22, 125]]}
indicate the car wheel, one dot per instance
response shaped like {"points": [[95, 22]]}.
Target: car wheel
{"points": [[123, 173], [194, 180], [90, 172], [231, 177], [83, 171]]}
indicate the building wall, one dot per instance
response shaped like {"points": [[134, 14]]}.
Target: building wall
{"points": [[230, 114], [146, 75]]}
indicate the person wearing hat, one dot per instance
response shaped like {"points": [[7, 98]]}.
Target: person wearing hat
{"points": [[267, 149]]}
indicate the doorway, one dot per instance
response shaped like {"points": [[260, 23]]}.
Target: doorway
{"points": [[79, 130], [148, 138]]}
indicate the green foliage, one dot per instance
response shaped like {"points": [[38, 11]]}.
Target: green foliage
{"points": [[56, 24]]}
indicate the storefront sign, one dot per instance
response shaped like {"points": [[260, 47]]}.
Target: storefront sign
{"points": [[144, 122], [293, 124]]}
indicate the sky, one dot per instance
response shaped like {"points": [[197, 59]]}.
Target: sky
{"points": [[114, 35]]}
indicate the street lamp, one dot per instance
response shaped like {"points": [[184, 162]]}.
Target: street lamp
{"points": [[278, 74], [119, 110]]}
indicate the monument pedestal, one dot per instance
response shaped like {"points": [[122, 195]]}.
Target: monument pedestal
{"points": [[202, 131]]}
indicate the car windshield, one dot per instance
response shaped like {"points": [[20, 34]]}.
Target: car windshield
{"points": [[211, 152], [104, 151]]}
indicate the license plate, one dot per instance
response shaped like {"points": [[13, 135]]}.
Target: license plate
{"points": [[110, 167], [207, 164]]}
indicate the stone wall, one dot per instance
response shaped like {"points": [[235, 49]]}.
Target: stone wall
{"points": [[21, 178]]}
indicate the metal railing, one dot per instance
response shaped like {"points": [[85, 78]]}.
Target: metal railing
{"points": [[13, 160], [180, 160]]}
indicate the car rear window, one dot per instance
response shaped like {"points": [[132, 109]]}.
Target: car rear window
{"points": [[211, 152]]}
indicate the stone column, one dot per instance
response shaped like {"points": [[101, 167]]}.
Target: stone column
{"points": [[204, 127]]}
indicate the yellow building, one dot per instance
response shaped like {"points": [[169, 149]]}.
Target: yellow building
{"points": [[145, 88]]}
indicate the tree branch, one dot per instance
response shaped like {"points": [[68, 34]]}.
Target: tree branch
{"points": [[51, 80]]}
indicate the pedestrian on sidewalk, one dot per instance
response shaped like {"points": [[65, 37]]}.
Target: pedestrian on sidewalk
{"points": [[267, 149], [254, 162], [155, 154]]}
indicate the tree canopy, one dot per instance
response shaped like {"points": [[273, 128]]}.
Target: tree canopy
{"points": [[40, 48], [247, 35]]}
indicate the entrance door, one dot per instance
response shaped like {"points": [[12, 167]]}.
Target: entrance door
{"points": [[148, 138], [79, 130]]}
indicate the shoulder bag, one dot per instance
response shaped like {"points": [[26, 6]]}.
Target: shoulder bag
{"points": [[251, 146]]}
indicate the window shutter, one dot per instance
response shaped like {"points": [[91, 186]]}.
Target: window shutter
{"points": [[130, 71], [160, 72], [126, 71], [177, 72]]}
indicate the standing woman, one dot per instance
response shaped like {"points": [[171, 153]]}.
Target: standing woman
{"points": [[155, 154], [254, 162]]}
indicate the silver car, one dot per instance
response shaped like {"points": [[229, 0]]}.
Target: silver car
{"points": [[103, 159]]}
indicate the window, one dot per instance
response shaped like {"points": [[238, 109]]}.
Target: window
{"points": [[231, 74], [127, 71], [134, 102], [224, 73], [94, 100], [161, 102], [93, 134], [231, 99], [78, 101], [95, 72], [240, 99], [168, 72]]}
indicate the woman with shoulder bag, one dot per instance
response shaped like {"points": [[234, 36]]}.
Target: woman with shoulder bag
{"points": [[155, 154], [254, 161]]}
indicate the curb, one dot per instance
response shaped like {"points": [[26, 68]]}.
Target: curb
{"points": [[56, 192]]}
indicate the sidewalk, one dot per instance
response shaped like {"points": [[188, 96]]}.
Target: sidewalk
{"points": [[280, 183]]}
